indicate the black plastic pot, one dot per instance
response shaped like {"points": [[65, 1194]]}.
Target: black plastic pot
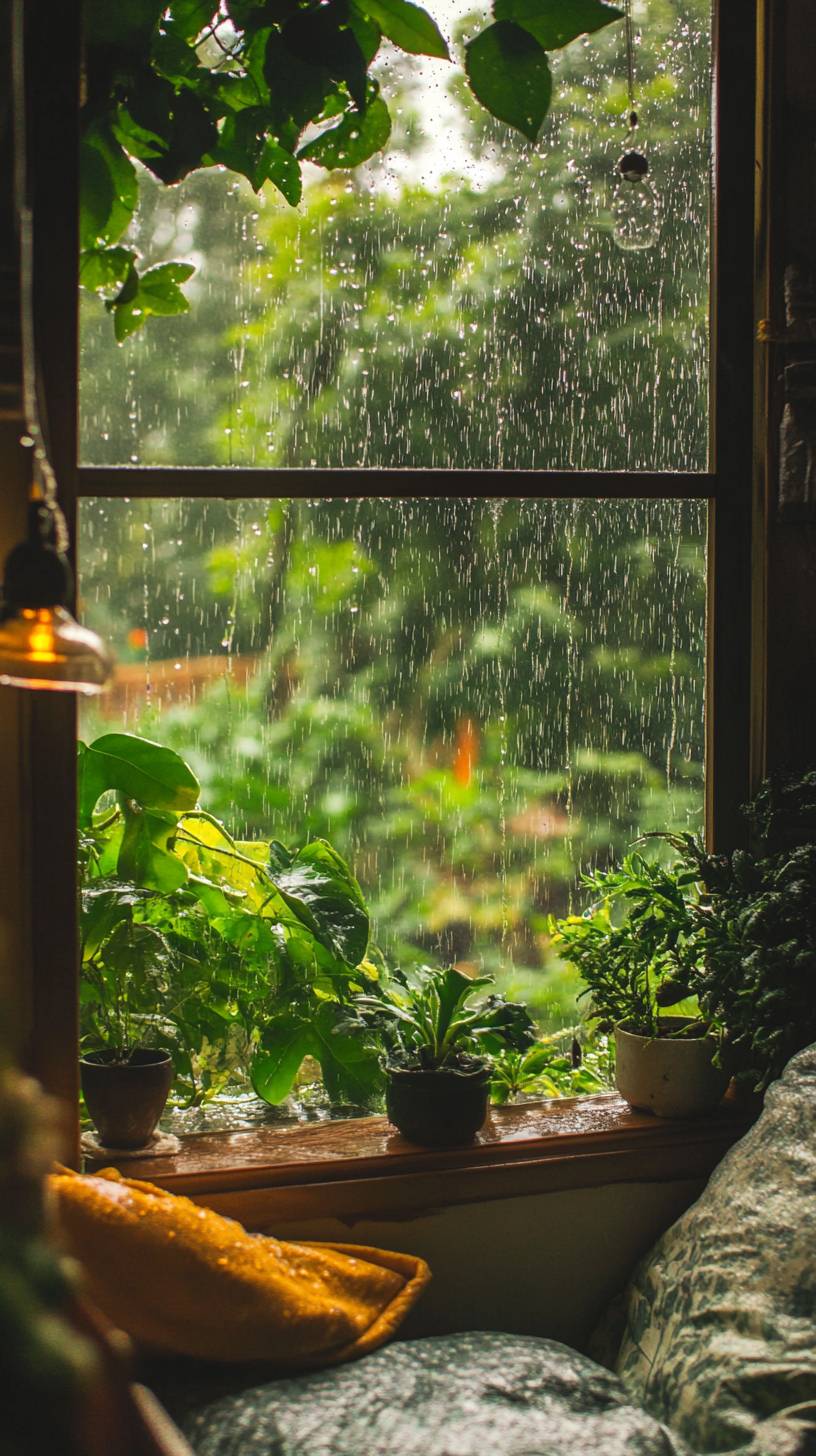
{"points": [[125, 1094], [438, 1109]]}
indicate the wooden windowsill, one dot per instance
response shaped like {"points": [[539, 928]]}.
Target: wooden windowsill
{"points": [[364, 1167]]}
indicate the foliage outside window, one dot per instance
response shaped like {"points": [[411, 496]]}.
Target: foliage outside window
{"points": [[366, 673]]}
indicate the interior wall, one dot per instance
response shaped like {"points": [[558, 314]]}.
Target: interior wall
{"points": [[546, 1264]]}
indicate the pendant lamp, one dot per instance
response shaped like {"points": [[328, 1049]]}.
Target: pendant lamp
{"points": [[42, 646]]}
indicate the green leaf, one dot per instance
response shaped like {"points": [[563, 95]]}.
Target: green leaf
{"points": [[189, 17], [102, 908], [555, 23], [210, 895], [178, 118], [143, 855], [138, 769], [108, 190], [105, 268], [322, 891], [245, 146], [297, 88], [156, 292], [358, 136], [95, 196], [285, 1041], [509, 74], [283, 169], [367, 33], [323, 37], [453, 988], [348, 1060], [408, 26]]}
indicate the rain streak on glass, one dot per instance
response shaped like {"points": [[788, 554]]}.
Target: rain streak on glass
{"points": [[471, 699], [457, 302]]}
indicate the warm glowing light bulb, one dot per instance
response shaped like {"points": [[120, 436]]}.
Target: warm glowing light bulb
{"points": [[635, 205]]}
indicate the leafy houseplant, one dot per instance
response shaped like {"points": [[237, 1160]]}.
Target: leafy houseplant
{"points": [[236, 956], [550, 1068], [438, 1048], [634, 968], [754, 924]]}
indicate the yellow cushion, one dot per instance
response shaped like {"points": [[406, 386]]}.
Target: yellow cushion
{"points": [[182, 1279]]}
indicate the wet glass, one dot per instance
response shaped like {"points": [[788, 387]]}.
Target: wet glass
{"points": [[473, 700], [459, 301]]}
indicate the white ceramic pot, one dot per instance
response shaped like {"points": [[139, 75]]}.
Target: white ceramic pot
{"points": [[669, 1076]]}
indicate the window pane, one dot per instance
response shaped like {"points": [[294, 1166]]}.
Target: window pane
{"points": [[458, 302], [471, 700]]}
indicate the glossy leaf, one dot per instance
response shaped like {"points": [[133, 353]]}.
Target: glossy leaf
{"points": [[189, 17], [408, 26], [108, 188], [367, 33], [297, 87], [153, 776], [509, 73], [322, 891], [245, 146], [357, 137], [324, 37], [286, 1040], [349, 1060], [555, 23], [102, 269], [143, 855], [155, 292]]}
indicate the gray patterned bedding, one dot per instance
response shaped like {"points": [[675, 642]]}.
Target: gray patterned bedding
{"points": [[718, 1351]]}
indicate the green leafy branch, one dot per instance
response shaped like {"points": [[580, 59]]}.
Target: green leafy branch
{"points": [[260, 86]]}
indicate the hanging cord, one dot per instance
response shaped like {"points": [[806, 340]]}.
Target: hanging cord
{"points": [[630, 62], [44, 484]]}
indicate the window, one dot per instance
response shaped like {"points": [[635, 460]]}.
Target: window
{"points": [[367, 404]]}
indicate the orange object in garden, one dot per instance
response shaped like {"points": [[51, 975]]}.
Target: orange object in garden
{"points": [[466, 752], [137, 638]]}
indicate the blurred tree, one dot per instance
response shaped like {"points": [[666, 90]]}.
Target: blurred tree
{"points": [[470, 698]]}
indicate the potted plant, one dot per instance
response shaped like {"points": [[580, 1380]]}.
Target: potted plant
{"points": [[438, 1049], [125, 1082], [238, 958], [634, 950], [753, 920]]}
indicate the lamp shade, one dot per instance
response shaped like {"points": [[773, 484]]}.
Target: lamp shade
{"points": [[41, 645], [45, 648]]}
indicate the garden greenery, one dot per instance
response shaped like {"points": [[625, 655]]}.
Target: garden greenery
{"points": [[244, 957], [729, 938], [238, 956], [259, 87]]}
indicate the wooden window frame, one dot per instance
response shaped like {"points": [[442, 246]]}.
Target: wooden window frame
{"points": [[46, 724]]}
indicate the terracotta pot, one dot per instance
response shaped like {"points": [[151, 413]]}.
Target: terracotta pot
{"points": [[125, 1094], [438, 1109], [670, 1076]]}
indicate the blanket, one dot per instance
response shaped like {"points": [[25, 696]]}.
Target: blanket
{"points": [[179, 1278]]}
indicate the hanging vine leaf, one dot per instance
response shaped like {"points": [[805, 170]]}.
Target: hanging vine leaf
{"points": [[408, 26], [155, 292], [245, 146], [509, 74], [556, 24], [356, 138], [192, 84]]}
